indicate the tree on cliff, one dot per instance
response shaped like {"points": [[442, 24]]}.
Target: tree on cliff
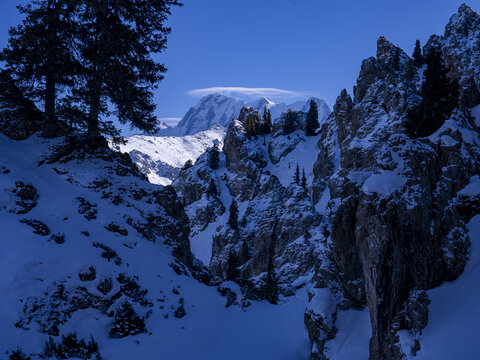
{"points": [[233, 216], [312, 119], [212, 189], [417, 54], [303, 182], [289, 120], [296, 177], [214, 157], [439, 98]]}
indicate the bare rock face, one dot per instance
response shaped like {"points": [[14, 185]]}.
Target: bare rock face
{"points": [[395, 206], [460, 47]]}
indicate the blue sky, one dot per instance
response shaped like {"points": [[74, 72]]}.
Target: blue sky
{"points": [[311, 47]]}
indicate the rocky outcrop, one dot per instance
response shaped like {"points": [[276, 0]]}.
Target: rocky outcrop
{"points": [[278, 233], [395, 226]]}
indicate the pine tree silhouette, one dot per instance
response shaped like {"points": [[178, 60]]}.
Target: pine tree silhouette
{"points": [[296, 177], [439, 98], [417, 54], [304, 180], [312, 119], [233, 216]]}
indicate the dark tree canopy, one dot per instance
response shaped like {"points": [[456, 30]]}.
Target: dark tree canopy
{"points": [[265, 126], [312, 123], [116, 41], [303, 181], [439, 98], [233, 216], [40, 54], [296, 177], [212, 188], [251, 126], [289, 121], [88, 60], [214, 156], [417, 54]]}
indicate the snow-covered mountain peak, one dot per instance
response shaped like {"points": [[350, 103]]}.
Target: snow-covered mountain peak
{"points": [[217, 108], [261, 103], [212, 109]]}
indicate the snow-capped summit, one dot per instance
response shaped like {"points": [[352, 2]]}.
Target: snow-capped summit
{"points": [[218, 109], [210, 110], [261, 103]]}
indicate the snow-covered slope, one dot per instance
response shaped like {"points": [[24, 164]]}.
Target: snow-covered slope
{"points": [[161, 157], [48, 287], [218, 109]]}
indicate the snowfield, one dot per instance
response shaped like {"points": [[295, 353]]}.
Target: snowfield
{"points": [[31, 265], [161, 157]]}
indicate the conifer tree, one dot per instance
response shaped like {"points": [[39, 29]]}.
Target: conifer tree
{"points": [[439, 97], [396, 59], [312, 119], [214, 156], [212, 189], [39, 55], [116, 41], [250, 126], [269, 118], [265, 126], [303, 182], [417, 54], [296, 177], [289, 120], [233, 216]]}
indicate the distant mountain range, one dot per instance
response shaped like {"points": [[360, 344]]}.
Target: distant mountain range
{"points": [[218, 109]]}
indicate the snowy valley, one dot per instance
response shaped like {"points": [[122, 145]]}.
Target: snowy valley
{"points": [[359, 240]]}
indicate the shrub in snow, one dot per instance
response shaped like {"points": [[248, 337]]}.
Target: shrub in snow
{"points": [[58, 238], [18, 355], [89, 275], [180, 310], [71, 347], [127, 322]]}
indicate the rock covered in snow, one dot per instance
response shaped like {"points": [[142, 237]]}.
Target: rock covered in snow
{"points": [[395, 225]]}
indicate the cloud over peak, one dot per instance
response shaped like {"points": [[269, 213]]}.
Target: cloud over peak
{"points": [[248, 92]]}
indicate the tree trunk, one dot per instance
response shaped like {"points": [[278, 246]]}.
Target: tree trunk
{"points": [[94, 113], [50, 127]]}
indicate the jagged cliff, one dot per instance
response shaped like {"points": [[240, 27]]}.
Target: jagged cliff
{"points": [[381, 220], [396, 229]]}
